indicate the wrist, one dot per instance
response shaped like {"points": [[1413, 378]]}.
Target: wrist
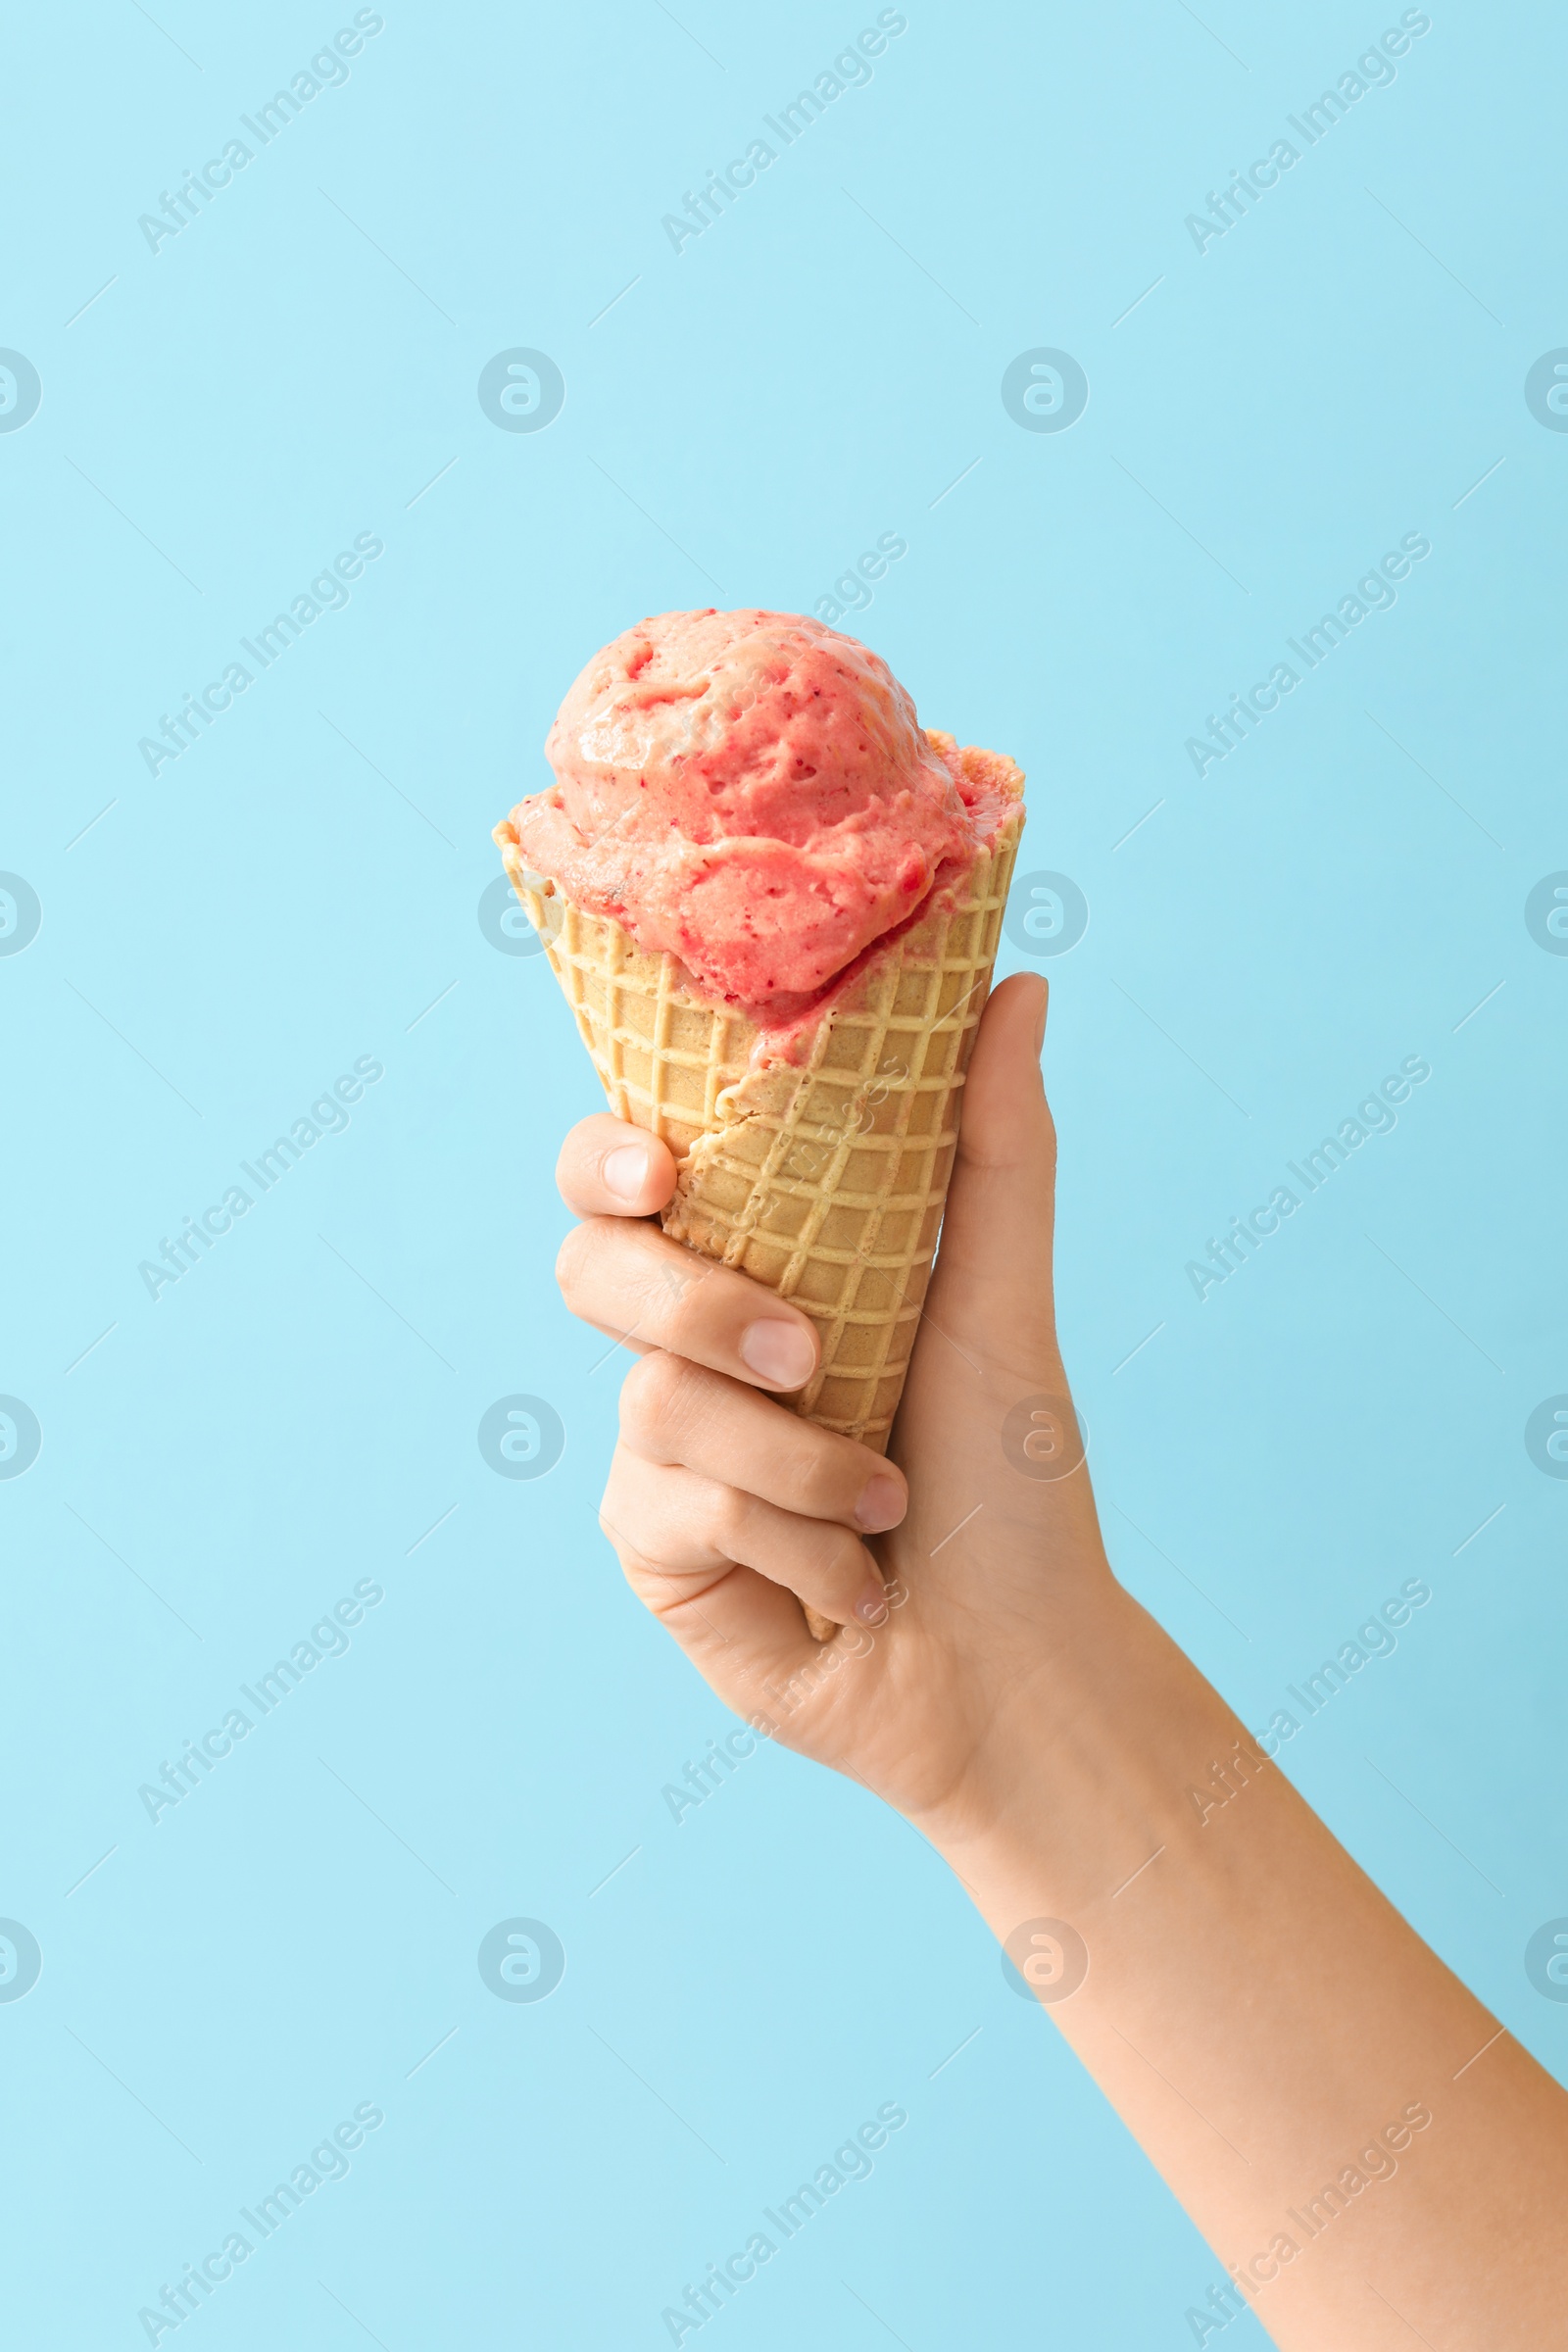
{"points": [[1079, 1777]]}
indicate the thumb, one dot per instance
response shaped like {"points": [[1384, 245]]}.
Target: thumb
{"points": [[992, 1291]]}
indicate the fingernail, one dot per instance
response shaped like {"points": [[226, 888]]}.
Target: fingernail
{"points": [[881, 1506], [1040, 1033], [873, 1607], [626, 1170], [779, 1351]]}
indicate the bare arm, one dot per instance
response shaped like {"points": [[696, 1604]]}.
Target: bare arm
{"points": [[1367, 2152]]}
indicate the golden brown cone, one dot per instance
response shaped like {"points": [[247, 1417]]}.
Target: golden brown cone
{"points": [[825, 1181]]}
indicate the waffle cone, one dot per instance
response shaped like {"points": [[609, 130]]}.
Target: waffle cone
{"points": [[824, 1180]]}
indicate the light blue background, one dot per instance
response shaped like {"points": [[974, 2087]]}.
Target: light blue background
{"points": [[300, 889]]}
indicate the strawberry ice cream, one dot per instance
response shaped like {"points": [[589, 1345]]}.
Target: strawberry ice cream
{"points": [[752, 793]]}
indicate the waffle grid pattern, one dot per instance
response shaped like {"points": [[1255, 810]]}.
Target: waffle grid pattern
{"points": [[825, 1182], [828, 1183]]}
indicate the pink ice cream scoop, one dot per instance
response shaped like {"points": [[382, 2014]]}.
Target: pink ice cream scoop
{"points": [[752, 793]]}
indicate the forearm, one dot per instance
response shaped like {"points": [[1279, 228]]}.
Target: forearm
{"points": [[1266, 2024]]}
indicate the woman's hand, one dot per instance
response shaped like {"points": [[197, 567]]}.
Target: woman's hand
{"points": [[960, 1567], [1374, 2160]]}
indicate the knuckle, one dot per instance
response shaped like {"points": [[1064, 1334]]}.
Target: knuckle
{"points": [[571, 1261], [636, 1566], [615, 1535], [654, 1398], [679, 1296], [568, 1158], [729, 1517], [685, 1292], [614, 1507], [630, 1542]]}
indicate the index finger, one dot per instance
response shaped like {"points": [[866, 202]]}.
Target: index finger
{"points": [[609, 1169]]}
